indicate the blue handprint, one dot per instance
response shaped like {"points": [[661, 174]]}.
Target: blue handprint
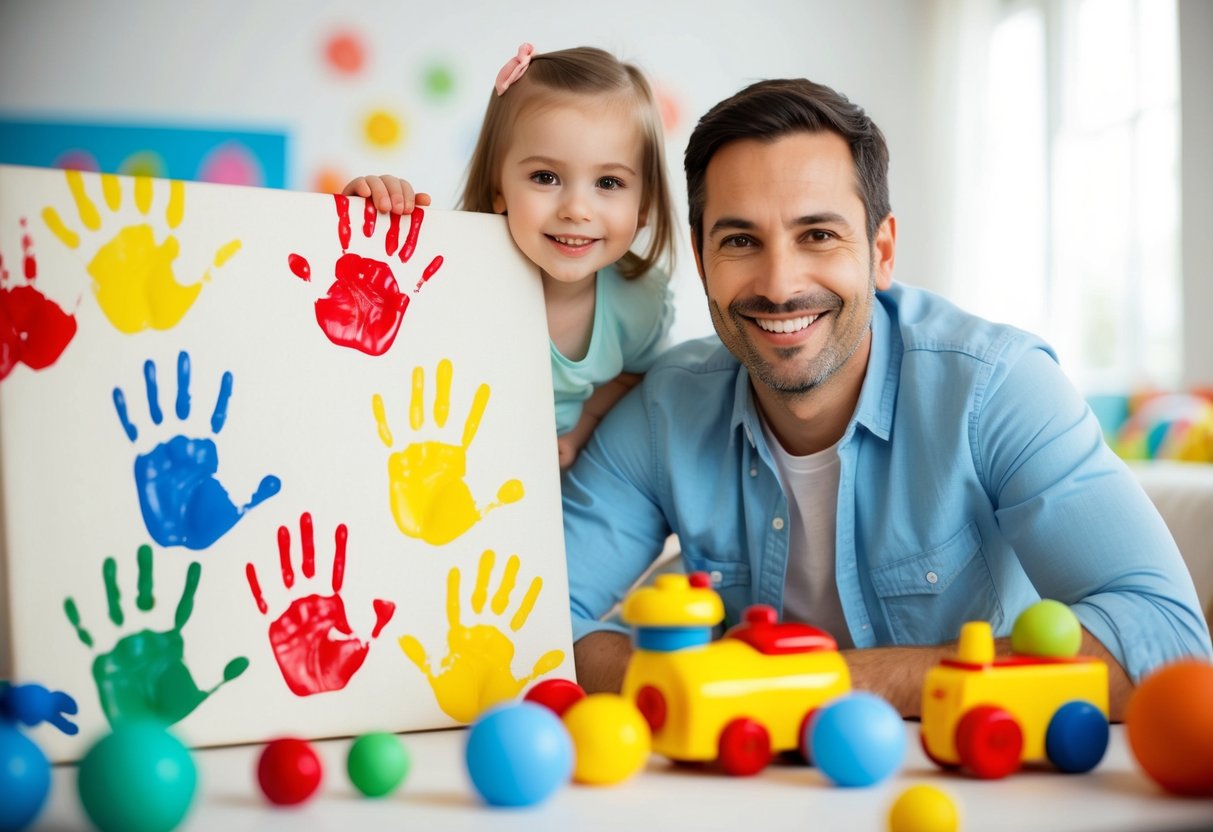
{"points": [[182, 502]]}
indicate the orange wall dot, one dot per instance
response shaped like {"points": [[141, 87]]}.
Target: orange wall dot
{"points": [[345, 53], [383, 129], [671, 110], [328, 181]]}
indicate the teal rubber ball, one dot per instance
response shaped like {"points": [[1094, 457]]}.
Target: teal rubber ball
{"points": [[377, 763], [140, 778]]}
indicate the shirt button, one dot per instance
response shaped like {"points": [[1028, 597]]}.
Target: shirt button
{"points": [[715, 576], [753, 472], [777, 523], [932, 578]]}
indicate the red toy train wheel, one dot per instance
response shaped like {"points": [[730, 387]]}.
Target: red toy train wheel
{"points": [[989, 742], [745, 747]]}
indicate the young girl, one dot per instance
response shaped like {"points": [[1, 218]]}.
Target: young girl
{"points": [[571, 152]]}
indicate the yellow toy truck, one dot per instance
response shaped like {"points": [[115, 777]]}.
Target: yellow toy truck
{"points": [[990, 714], [736, 700]]}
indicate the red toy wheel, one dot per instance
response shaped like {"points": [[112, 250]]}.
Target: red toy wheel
{"points": [[745, 747], [989, 742]]}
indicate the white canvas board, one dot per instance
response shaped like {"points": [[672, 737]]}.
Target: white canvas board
{"points": [[300, 412]]}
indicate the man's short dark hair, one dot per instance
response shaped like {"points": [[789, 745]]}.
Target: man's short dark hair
{"points": [[769, 110]]}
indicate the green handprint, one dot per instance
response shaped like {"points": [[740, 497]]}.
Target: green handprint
{"points": [[144, 676]]}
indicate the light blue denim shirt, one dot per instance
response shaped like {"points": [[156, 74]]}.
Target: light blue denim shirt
{"points": [[974, 481]]}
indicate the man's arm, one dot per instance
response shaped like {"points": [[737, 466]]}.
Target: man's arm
{"points": [[602, 659], [897, 673]]}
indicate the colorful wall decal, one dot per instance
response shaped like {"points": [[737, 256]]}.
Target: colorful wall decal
{"points": [[209, 432], [178, 152]]}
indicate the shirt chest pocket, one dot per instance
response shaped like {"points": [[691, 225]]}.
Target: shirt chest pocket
{"points": [[926, 597], [730, 579]]}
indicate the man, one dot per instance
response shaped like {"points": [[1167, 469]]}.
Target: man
{"points": [[861, 455]]}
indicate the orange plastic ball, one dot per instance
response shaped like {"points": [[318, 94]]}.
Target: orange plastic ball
{"points": [[1169, 723]]}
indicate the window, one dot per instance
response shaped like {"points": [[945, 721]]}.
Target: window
{"points": [[1079, 236]]}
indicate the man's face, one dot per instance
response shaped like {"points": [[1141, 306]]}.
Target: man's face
{"points": [[786, 263]]}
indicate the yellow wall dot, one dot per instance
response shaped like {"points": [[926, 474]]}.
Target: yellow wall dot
{"points": [[383, 129]]}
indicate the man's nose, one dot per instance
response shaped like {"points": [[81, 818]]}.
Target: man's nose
{"points": [[782, 275]]}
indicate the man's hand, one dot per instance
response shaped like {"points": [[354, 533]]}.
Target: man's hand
{"points": [[601, 660]]}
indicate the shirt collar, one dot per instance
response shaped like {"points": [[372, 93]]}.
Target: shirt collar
{"points": [[877, 397]]}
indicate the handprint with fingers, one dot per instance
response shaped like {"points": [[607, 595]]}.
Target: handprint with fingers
{"points": [[144, 676], [429, 496], [182, 502], [476, 672], [133, 273], [34, 330], [365, 305], [312, 639]]}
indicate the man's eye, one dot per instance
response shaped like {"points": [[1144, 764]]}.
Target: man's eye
{"points": [[736, 241], [610, 183], [544, 177], [818, 235]]}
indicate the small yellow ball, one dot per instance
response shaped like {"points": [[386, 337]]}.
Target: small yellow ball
{"points": [[923, 808], [611, 739]]}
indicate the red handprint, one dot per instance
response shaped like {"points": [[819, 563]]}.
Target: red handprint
{"points": [[364, 307], [34, 330], [312, 658]]}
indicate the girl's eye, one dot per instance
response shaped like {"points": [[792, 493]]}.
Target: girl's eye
{"points": [[610, 183], [543, 177]]}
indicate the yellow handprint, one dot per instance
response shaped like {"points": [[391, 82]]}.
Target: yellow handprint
{"points": [[476, 672], [132, 275], [429, 498]]}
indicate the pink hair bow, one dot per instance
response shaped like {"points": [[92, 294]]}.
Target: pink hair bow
{"points": [[514, 68]]}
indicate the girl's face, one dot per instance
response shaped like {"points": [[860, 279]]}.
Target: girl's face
{"points": [[571, 185]]}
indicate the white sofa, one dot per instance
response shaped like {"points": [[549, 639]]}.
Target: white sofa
{"points": [[1183, 494]]}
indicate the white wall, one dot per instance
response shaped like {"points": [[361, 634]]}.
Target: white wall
{"points": [[247, 64], [1196, 154]]}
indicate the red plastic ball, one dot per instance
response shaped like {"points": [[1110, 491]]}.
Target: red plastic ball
{"points": [[557, 695], [1169, 723], [289, 771]]}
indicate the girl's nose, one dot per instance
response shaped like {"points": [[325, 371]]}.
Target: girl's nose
{"points": [[574, 205]]}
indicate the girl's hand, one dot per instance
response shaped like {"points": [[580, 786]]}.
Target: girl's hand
{"points": [[387, 193]]}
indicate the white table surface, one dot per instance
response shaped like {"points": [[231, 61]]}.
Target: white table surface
{"points": [[438, 796]]}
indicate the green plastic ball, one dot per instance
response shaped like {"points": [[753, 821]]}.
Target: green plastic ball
{"points": [[377, 763], [140, 778], [1047, 628]]}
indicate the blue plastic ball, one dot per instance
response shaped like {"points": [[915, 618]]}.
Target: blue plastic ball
{"points": [[25, 779], [518, 754], [857, 739], [140, 778]]}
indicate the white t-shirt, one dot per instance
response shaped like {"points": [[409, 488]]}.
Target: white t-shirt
{"points": [[810, 592]]}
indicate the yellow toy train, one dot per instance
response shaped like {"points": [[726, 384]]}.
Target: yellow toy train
{"points": [[988, 715], [736, 700]]}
